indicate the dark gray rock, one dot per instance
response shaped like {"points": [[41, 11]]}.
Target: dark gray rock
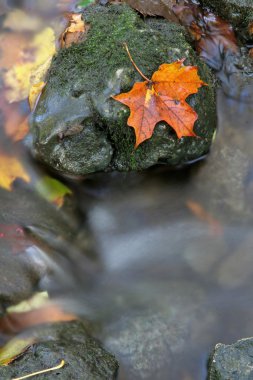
{"points": [[238, 12], [232, 362], [152, 324], [78, 128], [17, 281], [36, 239], [1, 311], [84, 357]]}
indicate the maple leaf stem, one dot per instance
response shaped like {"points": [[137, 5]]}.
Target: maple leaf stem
{"points": [[62, 364], [134, 64]]}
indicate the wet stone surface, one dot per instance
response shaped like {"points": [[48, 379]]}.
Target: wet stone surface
{"points": [[78, 128], [84, 356], [232, 362], [35, 241], [238, 12], [152, 334]]}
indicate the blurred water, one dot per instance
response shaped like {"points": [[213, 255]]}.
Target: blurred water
{"points": [[161, 261]]}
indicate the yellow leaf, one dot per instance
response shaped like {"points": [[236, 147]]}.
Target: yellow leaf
{"points": [[45, 43], [10, 169], [35, 302], [34, 93], [19, 21], [13, 349], [38, 73], [52, 190], [22, 76], [76, 24]]}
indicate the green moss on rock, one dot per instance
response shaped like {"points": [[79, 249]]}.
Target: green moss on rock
{"points": [[85, 76], [238, 12]]}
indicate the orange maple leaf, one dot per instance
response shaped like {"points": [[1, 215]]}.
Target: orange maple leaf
{"points": [[162, 99]]}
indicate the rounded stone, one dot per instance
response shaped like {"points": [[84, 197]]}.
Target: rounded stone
{"points": [[78, 128]]}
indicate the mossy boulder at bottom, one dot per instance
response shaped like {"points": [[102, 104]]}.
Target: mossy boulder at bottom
{"points": [[78, 128], [232, 362], [85, 358], [238, 12]]}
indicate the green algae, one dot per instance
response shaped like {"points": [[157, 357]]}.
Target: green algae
{"points": [[99, 67]]}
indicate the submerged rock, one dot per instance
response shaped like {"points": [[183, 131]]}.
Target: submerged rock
{"points": [[238, 12], [232, 362], [38, 244], [78, 128], [152, 325], [83, 355]]}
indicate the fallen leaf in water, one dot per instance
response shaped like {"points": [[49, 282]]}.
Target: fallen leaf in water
{"points": [[75, 31], [37, 310], [14, 119], [52, 190], [49, 313], [163, 8], [20, 21], [250, 28], [205, 216], [163, 99], [34, 93], [10, 169], [14, 349], [23, 75], [35, 302], [18, 43], [212, 34]]}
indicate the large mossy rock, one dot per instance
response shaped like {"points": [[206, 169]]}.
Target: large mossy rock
{"points": [[78, 128], [238, 12], [232, 362]]}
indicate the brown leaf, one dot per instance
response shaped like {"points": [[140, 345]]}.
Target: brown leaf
{"points": [[17, 322], [15, 122], [205, 216], [15, 55], [212, 34], [163, 8], [250, 28], [75, 32], [14, 349]]}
